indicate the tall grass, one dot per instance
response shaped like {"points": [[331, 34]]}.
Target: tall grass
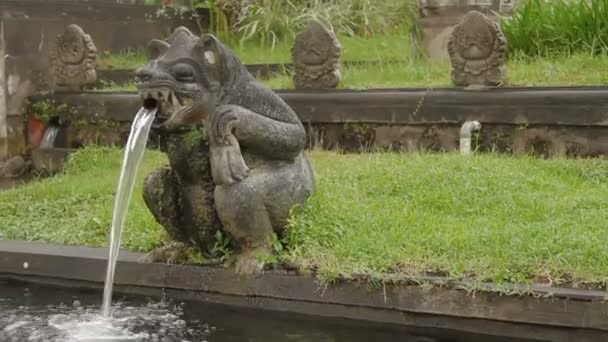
{"points": [[271, 21], [553, 27]]}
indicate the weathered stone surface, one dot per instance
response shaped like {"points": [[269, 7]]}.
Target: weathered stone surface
{"points": [[50, 160], [249, 163], [477, 51], [316, 57], [15, 142], [540, 313], [353, 120], [13, 167], [181, 196], [73, 59]]}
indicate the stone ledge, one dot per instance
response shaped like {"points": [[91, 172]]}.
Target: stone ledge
{"points": [[547, 314], [553, 106]]}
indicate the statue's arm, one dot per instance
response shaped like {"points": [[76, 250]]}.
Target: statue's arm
{"points": [[258, 133], [258, 121]]}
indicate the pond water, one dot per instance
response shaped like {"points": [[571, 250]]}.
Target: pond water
{"points": [[37, 313]]}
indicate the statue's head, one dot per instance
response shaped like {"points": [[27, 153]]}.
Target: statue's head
{"points": [[184, 77], [315, 45], [71, 45], [474, 37]]}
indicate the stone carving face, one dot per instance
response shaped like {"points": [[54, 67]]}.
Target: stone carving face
{"points": [[71, 45], [73, 59], [184, 77], [474, 38], [477, 50], [315, 45], [316, 57]]}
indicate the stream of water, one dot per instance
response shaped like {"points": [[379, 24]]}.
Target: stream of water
{"points": [[134, 151], [48, 139]]}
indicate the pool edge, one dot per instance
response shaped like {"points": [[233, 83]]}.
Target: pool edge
{"points": [[545, 314]]}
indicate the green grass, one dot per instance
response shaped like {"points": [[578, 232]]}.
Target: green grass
{"points": [[563, 70], [387, 47], [130, 86], [554, 27], [577, 69], [128, 59], [76, 206], [484, 217], [487, 217], [390, 46]]}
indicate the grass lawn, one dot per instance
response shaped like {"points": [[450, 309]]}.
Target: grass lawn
{"points": [[578, 69], [558, 71], [485, 217], [397, 66], [391, 46]]}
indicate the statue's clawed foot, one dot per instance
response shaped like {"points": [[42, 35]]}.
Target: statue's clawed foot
{"points": [[172, 253], [251, 261]]}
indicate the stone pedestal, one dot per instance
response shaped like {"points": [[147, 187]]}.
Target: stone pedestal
{"points": [[437, 19]]}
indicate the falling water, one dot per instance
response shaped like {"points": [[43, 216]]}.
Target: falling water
{"points": [[48, 139], [134, 151]]}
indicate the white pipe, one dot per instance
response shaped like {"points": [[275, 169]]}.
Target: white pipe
{"points": [[465, 135]]}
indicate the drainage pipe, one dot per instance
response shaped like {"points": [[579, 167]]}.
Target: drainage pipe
{"points": [[466, 131]]}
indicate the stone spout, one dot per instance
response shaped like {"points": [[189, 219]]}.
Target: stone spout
{"points": [[466, 131]]}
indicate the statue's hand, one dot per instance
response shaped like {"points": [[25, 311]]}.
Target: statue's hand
{"points": [[227, 163], [223, 124]]}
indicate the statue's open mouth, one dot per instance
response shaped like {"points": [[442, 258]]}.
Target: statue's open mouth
{"points": [[166, 102]]}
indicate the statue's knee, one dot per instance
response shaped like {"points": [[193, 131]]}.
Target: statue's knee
{"points": [[228, 196]]}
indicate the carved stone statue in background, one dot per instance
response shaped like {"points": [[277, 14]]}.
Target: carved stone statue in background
{"points": [[477, 50], [316, 58], [242, 172], [73, 60]]}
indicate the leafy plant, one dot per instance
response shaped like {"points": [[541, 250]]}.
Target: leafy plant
{"points": [[221, 247], [553, 27]]}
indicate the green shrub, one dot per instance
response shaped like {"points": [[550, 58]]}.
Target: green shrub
{"points": [[552, 27]]}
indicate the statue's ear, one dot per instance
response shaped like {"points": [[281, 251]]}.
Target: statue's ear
{"points": [[210, 50], [156, 48]]}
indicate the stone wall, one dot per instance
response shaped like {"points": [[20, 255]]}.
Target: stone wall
{"points": [[29, 29], [546, 122], [545, 141], [437, 19]]}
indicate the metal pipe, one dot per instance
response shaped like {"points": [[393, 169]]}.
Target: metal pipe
{"points": [[466, 131]]}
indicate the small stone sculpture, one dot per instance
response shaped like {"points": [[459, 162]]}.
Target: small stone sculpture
{"points": [[316, 58], [73, 60], [241, 172], [477, 50]]}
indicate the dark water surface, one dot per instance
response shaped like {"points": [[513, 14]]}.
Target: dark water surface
{"points": [[37, 313]]}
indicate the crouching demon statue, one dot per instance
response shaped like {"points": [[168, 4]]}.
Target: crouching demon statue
{"points": [[242, 170]]}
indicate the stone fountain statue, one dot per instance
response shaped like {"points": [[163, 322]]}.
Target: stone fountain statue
{"points": [[477, 49], [239, 170]]}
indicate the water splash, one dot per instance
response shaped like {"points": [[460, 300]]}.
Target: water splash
{"points": [[134, 151], [159, 321]]}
